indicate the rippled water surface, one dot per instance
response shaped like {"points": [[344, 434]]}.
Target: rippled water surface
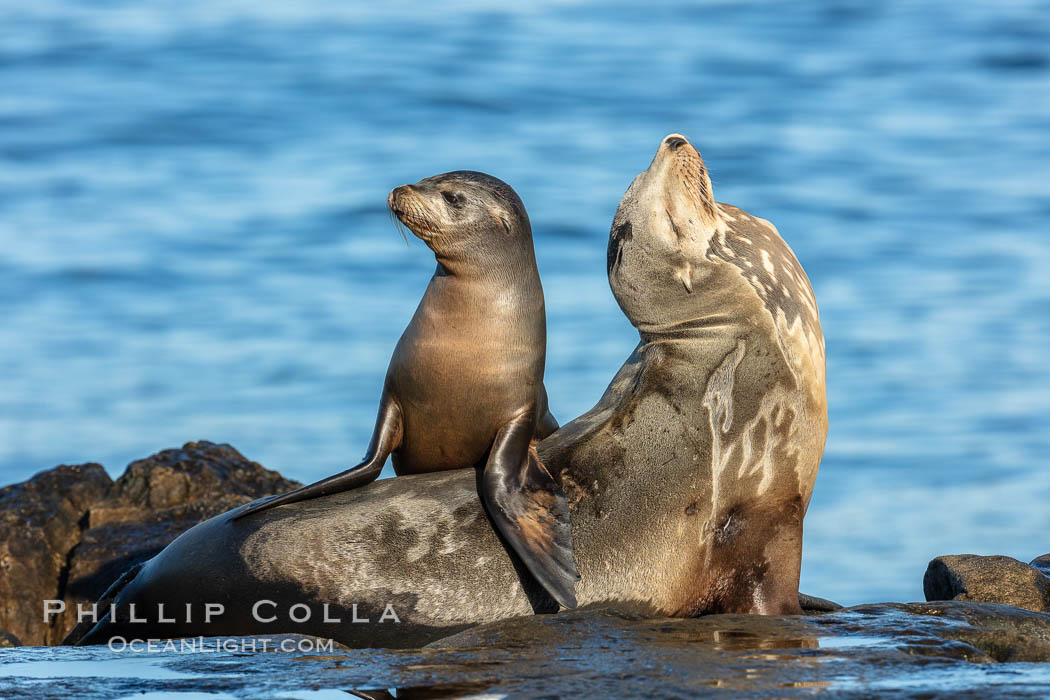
{"points": [[194, 241]]}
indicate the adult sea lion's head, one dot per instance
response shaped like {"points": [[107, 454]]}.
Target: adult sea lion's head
{"points": [[464, 215], [660, 235]]}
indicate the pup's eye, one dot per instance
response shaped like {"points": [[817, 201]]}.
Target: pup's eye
{"points": [[452, 198]]}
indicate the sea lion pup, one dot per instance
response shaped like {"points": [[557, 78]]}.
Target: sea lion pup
{"points": [[465, 383]]}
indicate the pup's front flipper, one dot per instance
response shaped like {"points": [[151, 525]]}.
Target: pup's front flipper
{"points": [[530, 509], [385, 439]]}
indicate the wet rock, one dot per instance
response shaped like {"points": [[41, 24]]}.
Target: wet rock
{"points": [[994, 579], [888, 646], [8, 640], [1041, 564], [42, 522], [725, 632], [973, 632], [811, 603], [945, 649], [155, 500], [984, 632], [70, 531]]}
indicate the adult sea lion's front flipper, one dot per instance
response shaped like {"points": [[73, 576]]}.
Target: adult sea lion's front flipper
{"points": [[530, 509], [385, 439]]}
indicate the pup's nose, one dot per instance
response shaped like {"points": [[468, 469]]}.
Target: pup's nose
{"points": [[396, 193]]}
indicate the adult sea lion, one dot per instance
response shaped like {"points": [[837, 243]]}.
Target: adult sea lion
{"points": [[688, 481], [719, 416], [465, 383]]}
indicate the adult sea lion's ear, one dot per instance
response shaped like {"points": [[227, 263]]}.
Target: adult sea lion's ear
{"points": [[506, 222]]}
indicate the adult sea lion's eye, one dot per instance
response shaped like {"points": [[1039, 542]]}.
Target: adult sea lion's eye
{"points": [[451, 198]]}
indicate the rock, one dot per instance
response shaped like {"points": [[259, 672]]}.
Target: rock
{"points": [[1004, 632], [892, 650], [155, 500], [8, 640], [811, 603], [945, 649], [995, 579], [975, 632], [42, 522], [200, 471], [70, 531], [1041, 564]]}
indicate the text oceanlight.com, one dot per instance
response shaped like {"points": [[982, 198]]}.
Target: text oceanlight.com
{"points": [[217, 645]]}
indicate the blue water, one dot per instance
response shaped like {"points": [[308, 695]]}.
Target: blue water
{"points": [[194, 241]]}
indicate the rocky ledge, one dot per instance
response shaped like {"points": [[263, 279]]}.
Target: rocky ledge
{"points": [[70, 531], [946, 649]]}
